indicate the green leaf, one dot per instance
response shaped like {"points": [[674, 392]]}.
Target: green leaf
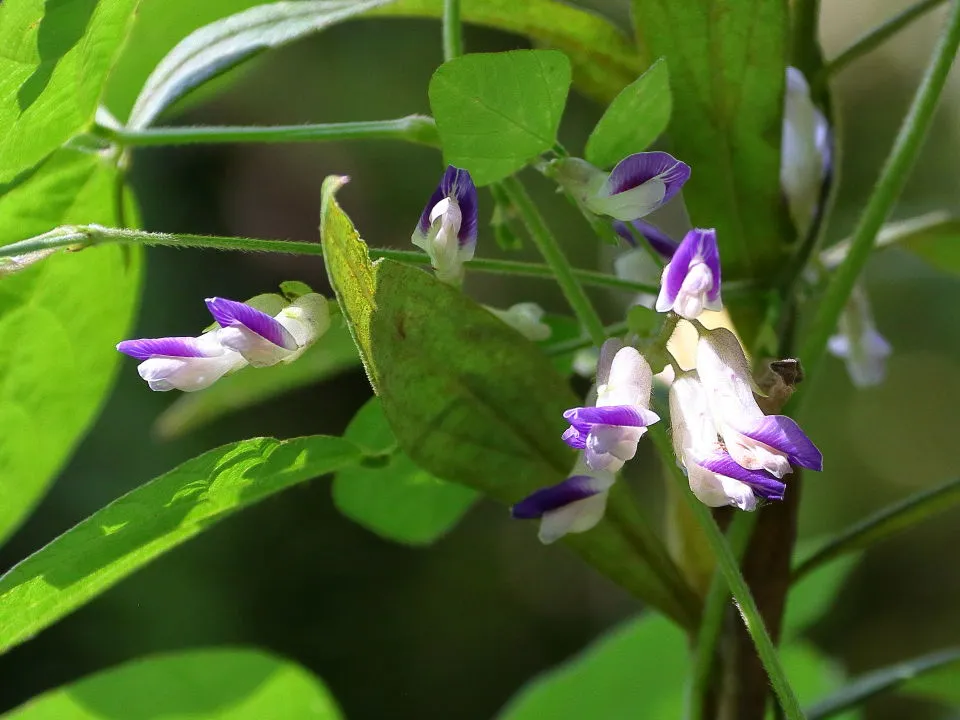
{"points": [[55, 59], [497, 111], [471, 402], [215, 48], [330, 356], [890, 520], [390, 495], [878, 681], [727, 60], [813, 595], [60, 319], [156, 517], [940, 684], [635, 118], [636, 670], [222, 683]]}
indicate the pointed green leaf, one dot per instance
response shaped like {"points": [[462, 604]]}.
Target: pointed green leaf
{"points": [[54, 62], [389, 494], [882, 524], [472, 402], [878, 681], [497, 111], [225, 43], [333, 354], [60, 320], [635, 118], [222, 683], [727, 60], [156, 517], [636, 670]]}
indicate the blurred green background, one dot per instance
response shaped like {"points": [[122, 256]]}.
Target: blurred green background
{"points": [[454, 630]]}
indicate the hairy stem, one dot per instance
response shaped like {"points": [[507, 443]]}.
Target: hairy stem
{"points": [[876, 37], [419, 129], [452, 30], [550, 249], [728, 566]]}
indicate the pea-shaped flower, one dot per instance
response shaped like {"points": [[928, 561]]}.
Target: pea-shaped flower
{"points": [[182, 363], [572, 506], [447, 230], [754, 440], [858, 342], [805, 154], [691, 280], [714, 476], [637, 186], [608, 433], [264, 340]]}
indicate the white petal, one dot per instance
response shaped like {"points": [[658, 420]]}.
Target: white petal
{"points": [[525, 318], [576, 517], [307, 318], [693, 426], [256, 349], [801, 160], [187, 374], [719, 491], [630, 204], [725, 374], [754, 455], [629, 382]]}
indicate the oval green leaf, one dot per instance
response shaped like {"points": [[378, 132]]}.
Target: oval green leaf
{"points": [[59, 322], [56, 57], [497, 111], [389, 494], [156, 517], [222, 683], [471, 402], [635, 118]]}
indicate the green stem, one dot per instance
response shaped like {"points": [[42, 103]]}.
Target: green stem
{"points": [[452, 30], [711, 623], [564, 274], [804, 21], [892, 178], [420, 129], [729, 567], [877, 37]]}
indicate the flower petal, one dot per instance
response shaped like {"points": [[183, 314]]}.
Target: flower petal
{"points": [[763, 483], [577, 517], [560, 495], [784, 434], [574, 438], [169, 347], [617, 415], [715, 490], [662, 244], [639, 168], [187, 373], [229, 313]]}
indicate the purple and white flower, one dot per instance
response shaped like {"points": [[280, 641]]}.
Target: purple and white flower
{"points": [[526, 318], [714, 476], [447, 230], [805, 154], [264, 340], [608, 433], [754, 440], [858, 342], [182, 363], [691, 280], [572, 506], [637, 186]]}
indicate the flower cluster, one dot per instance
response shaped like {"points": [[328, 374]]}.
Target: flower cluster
{"points": [[244, 334], [732, 453]]}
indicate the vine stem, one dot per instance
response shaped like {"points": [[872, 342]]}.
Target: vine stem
{"points": [[876, 37], [452, 30], [729, 567], [892, 178], [78, 237], [419, 129], [547, 245], [711, 623]]}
